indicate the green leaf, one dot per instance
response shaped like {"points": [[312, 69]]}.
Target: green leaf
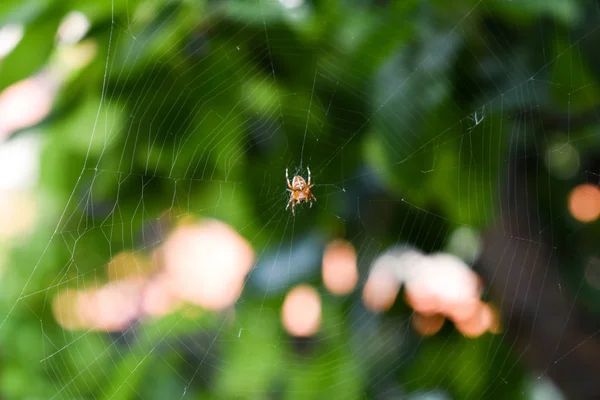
{"points": [[33, 51], [573, 85], [253, 356], [564, 11]]}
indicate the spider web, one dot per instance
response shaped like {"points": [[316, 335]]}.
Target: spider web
{"points": [[199, 109]]}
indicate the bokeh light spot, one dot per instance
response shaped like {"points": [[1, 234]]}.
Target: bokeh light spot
{"points": [[584, 203], [465, 243], [339, 267], [562, 160], [301, 311]]}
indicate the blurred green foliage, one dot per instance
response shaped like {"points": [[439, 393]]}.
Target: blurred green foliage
{"points": [[199, 106]]}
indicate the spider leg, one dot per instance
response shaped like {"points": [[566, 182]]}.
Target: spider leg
{"points": [[288, 179], [291, 202], [308, 175]]}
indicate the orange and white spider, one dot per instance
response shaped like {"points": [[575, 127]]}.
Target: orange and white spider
{"points": [[299, 190]]}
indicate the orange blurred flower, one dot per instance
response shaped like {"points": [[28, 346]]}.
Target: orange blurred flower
{"points": [[207, 263]]}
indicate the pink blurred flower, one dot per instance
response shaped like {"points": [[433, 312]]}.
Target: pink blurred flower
{"points": [[437, 286], [112, 307], [380, 290], [207, 263], [26, 103], [157, 299], [202, 263], [442, 283]]}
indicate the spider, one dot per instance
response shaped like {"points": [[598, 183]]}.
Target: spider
{"points": [[300, 190]]}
